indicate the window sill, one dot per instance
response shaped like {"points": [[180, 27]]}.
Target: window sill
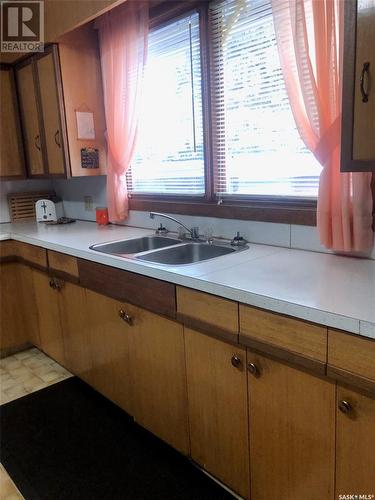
{"points": [[287, 212]]}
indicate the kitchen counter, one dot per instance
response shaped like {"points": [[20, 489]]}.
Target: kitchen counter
{"points": [[327, 289]]}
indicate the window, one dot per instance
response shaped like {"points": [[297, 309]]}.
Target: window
{"points": [[257, 148], [169, 157]]}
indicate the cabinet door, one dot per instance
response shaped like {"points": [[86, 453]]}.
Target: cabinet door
{"points": [[49, 96], [50, 333], [11, 159], [73, 314], [30, 120], [358, 101], [109, 337], [158, 366], [355, 438], [217, 396], [292, 432], [13, 333]]}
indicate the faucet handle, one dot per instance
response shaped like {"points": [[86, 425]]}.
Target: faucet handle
{"points": [[195, 232], [238, 240], [161, 229]]}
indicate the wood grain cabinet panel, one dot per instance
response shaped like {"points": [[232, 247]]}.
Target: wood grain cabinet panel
{"points": [[50, 105], [31, 254], [355, 438], [31, 129], [11, 151], [109, 338], [158, 367], [62, 263], [217, 396], [195, 307], [351, 353], [295, 335], [50, 332], [74, 325], [292, 432], [13, 333]]}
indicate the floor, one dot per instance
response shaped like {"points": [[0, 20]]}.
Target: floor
{"points": [[20, 374]]}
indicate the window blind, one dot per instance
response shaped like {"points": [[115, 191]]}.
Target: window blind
{"points": [[169, 156], [257, 149]]}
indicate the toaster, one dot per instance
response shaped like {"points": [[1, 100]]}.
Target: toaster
{"points": [[49, 210]]}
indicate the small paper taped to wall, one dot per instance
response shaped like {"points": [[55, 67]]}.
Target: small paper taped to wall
{"points": [[85, 125]]}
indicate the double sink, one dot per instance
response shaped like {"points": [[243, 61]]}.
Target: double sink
{"points": [[166, 250]]}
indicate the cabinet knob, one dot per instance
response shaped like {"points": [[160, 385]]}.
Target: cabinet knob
{"points": [[345, 407], [125, 317], [52, 284], [236, 361], [252, 368]]}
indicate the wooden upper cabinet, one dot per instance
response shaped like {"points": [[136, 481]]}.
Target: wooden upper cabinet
{"points": [[292, 432], [52, 87], [47, 67], [358, 117], [83, 91], [32, 132], [11, 159]]}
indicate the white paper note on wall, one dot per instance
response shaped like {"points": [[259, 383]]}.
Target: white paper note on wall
{"points": [[85, 125]]}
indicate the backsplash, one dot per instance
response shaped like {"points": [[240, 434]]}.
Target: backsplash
{"points": [[93, 189], [18, 187]]}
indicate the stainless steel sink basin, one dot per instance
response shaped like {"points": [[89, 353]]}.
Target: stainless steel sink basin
{"points": [[137, 245], [186, 254]]}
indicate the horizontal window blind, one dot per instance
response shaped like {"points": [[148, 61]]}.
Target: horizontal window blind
{"points": [[257, 149], [169, 156]]}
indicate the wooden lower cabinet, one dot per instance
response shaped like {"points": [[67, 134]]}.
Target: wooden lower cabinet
{"points": [[159, 378], [13, 333], [292, 432], [355, 442], [109, 339], [50, 331], [74, 326], [217, 396]]}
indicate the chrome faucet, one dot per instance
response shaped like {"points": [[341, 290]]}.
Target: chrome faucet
{"points": [[194, 231]]}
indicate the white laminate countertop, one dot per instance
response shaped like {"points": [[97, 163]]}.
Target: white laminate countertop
{"points": [[323, 288]]}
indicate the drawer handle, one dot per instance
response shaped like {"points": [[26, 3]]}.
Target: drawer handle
{"points": [[365, 71], [345, 407], [37, 142], [236, 361], [56, 284], [253, 369], [125, 317], [57, 138]]}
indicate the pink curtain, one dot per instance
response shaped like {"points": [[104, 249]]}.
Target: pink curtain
{"points": [[309, 35], [123, 45]]}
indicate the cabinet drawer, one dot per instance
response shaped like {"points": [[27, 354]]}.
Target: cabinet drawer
{"points": [[60, 263], [195, 308], [150, 293], [351, 353], [7, 249], [36, 256], [283, 332]]}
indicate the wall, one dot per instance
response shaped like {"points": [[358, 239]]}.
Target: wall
{"points": [[72, 191], [19, 187]]}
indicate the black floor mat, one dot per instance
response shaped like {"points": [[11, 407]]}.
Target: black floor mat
{"points": [[68, 442]]}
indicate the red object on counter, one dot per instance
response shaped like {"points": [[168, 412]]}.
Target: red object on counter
{"points": [[102, 216]]}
